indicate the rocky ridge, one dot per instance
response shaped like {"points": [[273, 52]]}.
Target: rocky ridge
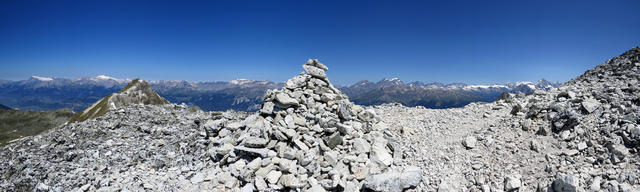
{"points": [[596, 115], [582, 136], [136, 92]]}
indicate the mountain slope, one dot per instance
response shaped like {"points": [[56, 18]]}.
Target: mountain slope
{"points": [[136, 92], [3, 107], [16, 124]]}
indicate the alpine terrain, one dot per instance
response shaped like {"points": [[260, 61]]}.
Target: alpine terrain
{"points": [[136, 92], [16, 124], [308, 136], [42, 93]]}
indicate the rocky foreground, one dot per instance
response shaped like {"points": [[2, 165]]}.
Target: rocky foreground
{"points": [[308, 136]]}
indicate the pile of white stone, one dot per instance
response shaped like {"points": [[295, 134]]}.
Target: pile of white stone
{"points": [[308, 136]]}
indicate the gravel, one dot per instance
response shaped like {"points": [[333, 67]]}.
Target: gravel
{"points": [[309, 137]]}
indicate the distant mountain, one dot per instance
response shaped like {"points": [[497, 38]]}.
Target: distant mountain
{"points": [[2, 107], [435, 95], [136, 92], [41, 93], [239, 94], [44, 93]]}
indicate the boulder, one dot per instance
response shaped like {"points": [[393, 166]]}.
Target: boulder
{"points": [[394, 180], [566, 183]]}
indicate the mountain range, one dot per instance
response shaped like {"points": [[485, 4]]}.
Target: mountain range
{"points": [[45, 93], [435, 95]]}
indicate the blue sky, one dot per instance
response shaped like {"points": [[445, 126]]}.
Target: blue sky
{"points": [[477, 42]]}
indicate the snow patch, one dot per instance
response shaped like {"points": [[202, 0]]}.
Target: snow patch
{"points": [[42, 78], [241, 81], [476, 87], [104, 77]]}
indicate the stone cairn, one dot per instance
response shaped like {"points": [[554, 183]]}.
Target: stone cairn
{"points": [[308, 136]]}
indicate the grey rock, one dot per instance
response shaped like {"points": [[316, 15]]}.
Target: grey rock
{"points": [[619, 151], [344, 129], [526, 124], [331, 157], [344, 110], [301, 145], [290, 181], [267, 108], [590, 105], [567, 94], [379, 153], [334, 140], [285, 100], [394, 181], [512, 182], [469, 142], [360, 172], [262, 172], [260, 184], [249, 187], [570, 152], [316, 63], [634, 130], [581, 146], [235, 125], [566, 183], [296, 82], [260, 152], [228, 180], [198, 177], [444, 187], [314, 71], [273, 176], [255, 142], [361, 146], [535, 145]]}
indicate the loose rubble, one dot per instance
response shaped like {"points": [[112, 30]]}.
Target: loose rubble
{"points": [[579, 137], [307, 136]]}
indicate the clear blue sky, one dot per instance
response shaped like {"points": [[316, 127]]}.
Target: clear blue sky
{"points": [[476, 42]]}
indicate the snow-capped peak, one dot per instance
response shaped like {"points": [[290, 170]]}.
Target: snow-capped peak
{"points": [[391, 79], [523, 83], [526, 83], [107, 78], [476, 87], [42, 78], [104, 77], [241, 81]]}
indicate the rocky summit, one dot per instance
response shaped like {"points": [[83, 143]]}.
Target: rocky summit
{"points": [[308, 136], [136, 92]]}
